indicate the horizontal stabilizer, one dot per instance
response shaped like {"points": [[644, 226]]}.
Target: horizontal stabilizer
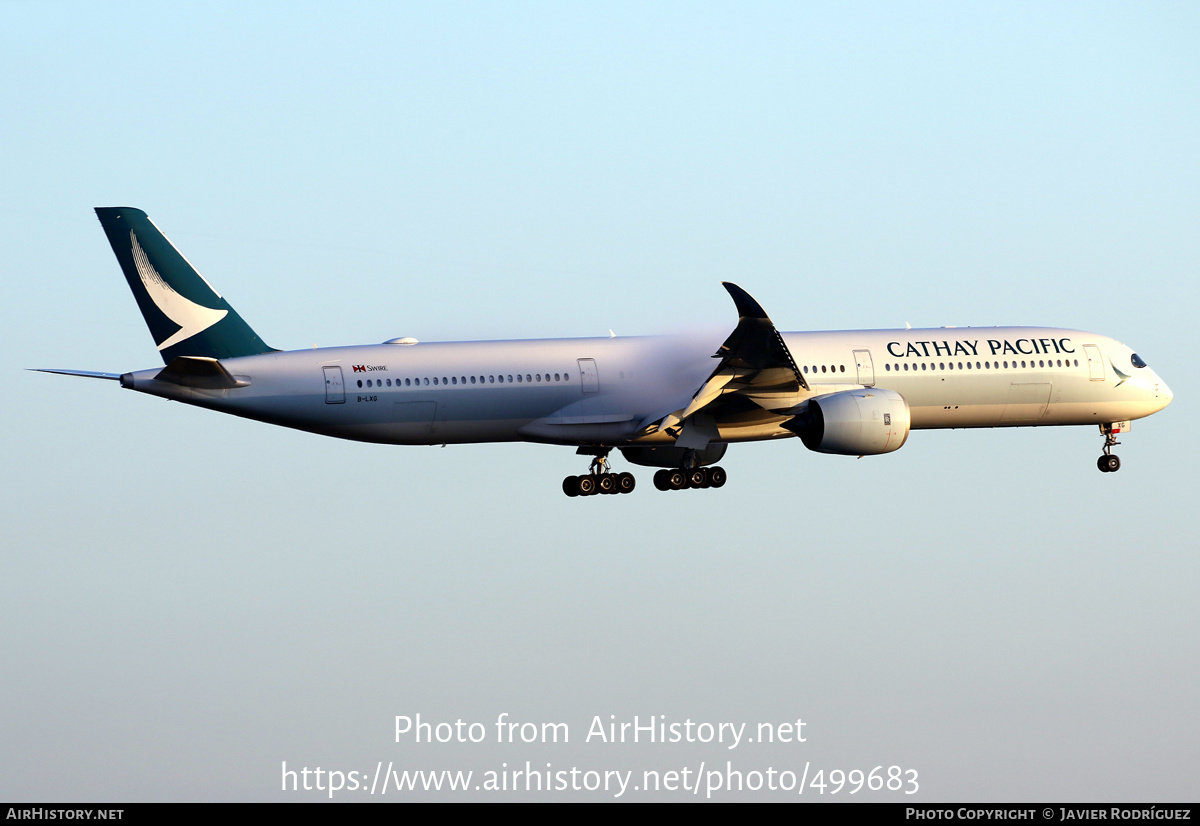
{"points": [[87, 374], [198, 371]]}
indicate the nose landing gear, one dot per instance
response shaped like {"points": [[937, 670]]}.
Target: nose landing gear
{"points": [[1108, 462], [598, 479]]}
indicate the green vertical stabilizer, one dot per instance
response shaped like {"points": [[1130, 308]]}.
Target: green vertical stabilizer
{"points": [[186, 316]]}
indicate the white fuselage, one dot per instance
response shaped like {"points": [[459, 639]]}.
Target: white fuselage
{"points": [[604, 390]]}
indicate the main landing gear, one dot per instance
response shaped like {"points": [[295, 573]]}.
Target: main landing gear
{"points": [[598, 479], [691, 475], [698, 477], [1108, 462]]}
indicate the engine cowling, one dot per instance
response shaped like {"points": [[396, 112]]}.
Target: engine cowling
{"points": [[854, 422]]}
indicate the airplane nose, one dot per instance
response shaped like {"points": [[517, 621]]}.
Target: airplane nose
{"points": [[1163, 393]]}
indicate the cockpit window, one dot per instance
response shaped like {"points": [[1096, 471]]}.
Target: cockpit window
{"points": [[1137, 360]]}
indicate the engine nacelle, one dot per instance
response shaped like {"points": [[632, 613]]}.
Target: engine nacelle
{"points": [[672, 457], [854, 422]]}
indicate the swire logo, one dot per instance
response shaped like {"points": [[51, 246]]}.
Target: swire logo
{"points": [[360, 368]]}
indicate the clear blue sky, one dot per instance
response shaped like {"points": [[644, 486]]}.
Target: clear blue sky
{"points": [[188, 600]]}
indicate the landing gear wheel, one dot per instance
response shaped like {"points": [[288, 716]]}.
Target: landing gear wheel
{"points": [[717, 476], [676, 479], [660, 480], [698, 478], [599, 478], [1108, 463]]}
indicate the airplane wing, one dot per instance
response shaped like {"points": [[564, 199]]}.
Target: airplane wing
{"points": [[755, 377]]}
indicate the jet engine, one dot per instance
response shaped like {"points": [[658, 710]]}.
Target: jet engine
{"points": [[854, 422]]}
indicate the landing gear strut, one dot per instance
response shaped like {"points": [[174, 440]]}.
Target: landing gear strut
{"points": [[1108, 462], [599, 479]]}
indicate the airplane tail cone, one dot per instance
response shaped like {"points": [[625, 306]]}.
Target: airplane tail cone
{"points": [[186, 316]]}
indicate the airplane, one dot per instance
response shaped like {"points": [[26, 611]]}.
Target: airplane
{"points": [[666, 402]]}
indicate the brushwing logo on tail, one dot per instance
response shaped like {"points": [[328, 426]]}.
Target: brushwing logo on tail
{"points": [[191, 317]]}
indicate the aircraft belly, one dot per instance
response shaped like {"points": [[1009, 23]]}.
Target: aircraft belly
{"points": [[1056, 413]]}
